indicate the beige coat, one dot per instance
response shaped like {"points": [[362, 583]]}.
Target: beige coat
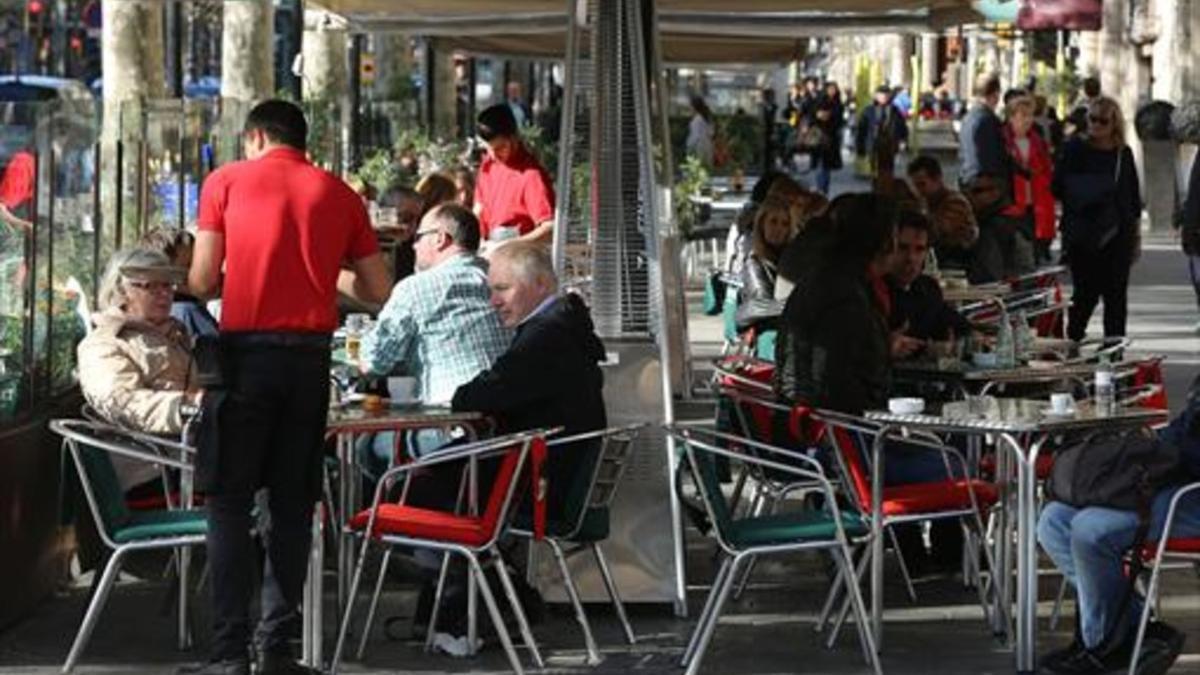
{"points": [[134, 374]]}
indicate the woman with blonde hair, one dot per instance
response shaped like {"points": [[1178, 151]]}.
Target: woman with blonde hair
{"points": [[774, 228], [1031, 212], [1096, 180]]}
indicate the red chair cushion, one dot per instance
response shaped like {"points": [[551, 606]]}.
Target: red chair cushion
{"points": [[1176, 545], [918, 498], [418, 523], [158, 502]]}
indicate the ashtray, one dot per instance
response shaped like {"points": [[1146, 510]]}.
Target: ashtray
{"points": [[906, 406]]}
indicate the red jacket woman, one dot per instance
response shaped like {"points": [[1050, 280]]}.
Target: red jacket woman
{"points": [[1032, 172]]}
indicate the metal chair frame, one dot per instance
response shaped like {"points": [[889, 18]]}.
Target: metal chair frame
{"points": [[839, 546], [476, 556], [616, 445], [1161, 552], [93, 435], [930, 442]]}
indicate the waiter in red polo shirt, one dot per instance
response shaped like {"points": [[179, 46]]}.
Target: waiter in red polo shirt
{"points": [[289, 237], [514, 197]]}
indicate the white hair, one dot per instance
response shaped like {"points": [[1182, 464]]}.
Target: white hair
{"points": [[112, 285], [530, 261]]}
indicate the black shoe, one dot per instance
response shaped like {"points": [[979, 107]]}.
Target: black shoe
{"points": [[1051, 661], [1095, 661], [225, 667], [1160, 648], [270, 663]]}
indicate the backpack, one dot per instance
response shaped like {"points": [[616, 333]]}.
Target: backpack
{"points": [[1120, 470]]}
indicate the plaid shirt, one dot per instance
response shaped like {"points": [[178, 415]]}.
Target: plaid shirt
{"points": [[439, 327]]}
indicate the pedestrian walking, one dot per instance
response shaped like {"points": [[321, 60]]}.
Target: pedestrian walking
{"points": [[1097, 182]]}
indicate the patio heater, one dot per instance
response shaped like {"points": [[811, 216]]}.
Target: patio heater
{"points": [[615, 246]]}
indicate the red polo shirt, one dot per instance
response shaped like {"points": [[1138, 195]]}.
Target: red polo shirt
{"points": [[288, 228], [518, 193], [16, 187]]}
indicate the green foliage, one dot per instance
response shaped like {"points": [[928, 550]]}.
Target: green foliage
{"points": [[379, 171], [693, 180], [545, 150], [743, 135]]}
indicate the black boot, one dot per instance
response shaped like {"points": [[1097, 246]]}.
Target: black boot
{"points": [[278, 663]]}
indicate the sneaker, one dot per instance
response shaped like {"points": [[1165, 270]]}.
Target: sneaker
{"points": [[222, 667]]}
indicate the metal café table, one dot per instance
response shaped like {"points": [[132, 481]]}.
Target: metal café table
{"points": [[1020, 428], [969, 379], [959, 295], [345, 423]]}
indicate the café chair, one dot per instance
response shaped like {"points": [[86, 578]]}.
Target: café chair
{"points": [[123, 531], [1156, 553], [584, 525], [854, 443], [472, 536], [767, 421], [741, 539]]}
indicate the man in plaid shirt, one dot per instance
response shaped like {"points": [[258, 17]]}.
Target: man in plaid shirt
{"points": [[438, 325]]}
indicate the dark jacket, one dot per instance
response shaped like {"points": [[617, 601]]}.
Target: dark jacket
{"points": [[1101, 200], [922, 307], [981, 148], [876, 122], [833, 349], [1189, 215], [549, 377], [830, 152]]}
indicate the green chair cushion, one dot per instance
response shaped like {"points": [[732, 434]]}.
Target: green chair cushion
{"points": [[144, 525], [792, 527]]}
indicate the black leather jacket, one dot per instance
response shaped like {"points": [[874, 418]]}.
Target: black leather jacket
{"points": [[833, 346]]}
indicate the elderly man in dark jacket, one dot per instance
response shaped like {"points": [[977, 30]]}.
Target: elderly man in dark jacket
{"points": [[550, 375]]}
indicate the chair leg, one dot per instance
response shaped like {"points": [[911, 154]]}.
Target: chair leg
{"points": [[1151, 597], [366, 630], [184, 555], [715, 614], [611, 586], [908, 584], [94, 608], [718, 583], [347, 613], [518, 610], [589, 641], [762, 503], [860, 613], [831, 598], [431, 629], [844, 610], [1056, 613], [489, 601]]}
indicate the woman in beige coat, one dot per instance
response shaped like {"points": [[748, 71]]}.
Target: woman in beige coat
{"points": [[135, 367]]}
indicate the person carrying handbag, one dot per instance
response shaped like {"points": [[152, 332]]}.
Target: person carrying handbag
{"points": [[1096, 180]]}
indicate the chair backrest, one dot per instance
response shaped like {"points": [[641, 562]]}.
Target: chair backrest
{"points": [[594, 486], [850, 447], [703, 461], [504, 486]]}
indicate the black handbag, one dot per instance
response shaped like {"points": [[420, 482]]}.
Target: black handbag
{"points": [[1119, 470]]}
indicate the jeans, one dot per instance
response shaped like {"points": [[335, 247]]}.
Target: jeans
{"points": [[1095, 275], [1087, 546], [270, 433], [823, 175]]}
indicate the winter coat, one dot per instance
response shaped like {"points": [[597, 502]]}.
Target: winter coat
{"points": [[1031, 183]]}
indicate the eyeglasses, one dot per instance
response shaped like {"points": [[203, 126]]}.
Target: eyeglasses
{"points": [[152, 286]]}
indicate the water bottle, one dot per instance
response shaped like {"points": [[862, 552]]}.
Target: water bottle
{"points": [[931, 263], [1024, 336], [1106, 391], [1004, 344]]}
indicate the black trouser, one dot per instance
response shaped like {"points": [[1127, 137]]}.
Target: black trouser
{"points": [[271, 426], [1095, 275]]}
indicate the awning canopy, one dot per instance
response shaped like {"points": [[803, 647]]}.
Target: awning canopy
{"points": [[693, 31]]}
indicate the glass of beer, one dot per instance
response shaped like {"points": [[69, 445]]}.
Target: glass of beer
{"points": [[356, 325]]}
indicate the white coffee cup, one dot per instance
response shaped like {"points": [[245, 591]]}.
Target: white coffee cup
{"points": [[402, 389], [1062, 403]]}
